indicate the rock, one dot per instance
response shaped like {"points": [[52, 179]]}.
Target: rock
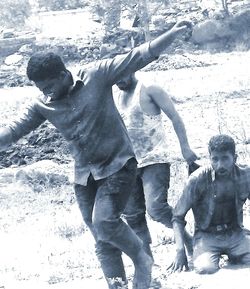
{"points": [[211, 30], [8, 33], [107, 49], [43, 173], [26, 49], [240, 22], [13, 59]]}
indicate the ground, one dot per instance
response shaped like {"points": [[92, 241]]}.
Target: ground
{"points": [[44, 243], [43, 239]]}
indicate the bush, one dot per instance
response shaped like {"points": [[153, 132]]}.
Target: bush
{"points": [[13, 13], [56, 5]]}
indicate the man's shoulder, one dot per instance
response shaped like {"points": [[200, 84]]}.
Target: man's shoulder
{"points": [[151, 87], [202, 172], [243, 170]]}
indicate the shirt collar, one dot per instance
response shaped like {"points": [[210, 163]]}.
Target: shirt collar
{"points": [[77, 83]]}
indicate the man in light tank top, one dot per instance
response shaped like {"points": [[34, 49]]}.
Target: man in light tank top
{"points": [[141, 109]]}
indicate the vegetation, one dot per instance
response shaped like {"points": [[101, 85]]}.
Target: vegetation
{"points": [[55, 5], [13, 13]]}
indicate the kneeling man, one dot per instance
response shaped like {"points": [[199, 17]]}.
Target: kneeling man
{"points": [[216, 194]]}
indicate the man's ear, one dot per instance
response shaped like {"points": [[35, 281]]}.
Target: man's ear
{"points": [[235, 157]]}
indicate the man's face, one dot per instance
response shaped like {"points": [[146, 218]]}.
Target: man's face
{"points": [[125, 83], [222, 162], [54, 88]]}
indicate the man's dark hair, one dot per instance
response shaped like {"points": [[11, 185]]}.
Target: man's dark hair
{"points": [[221, 142], [42, 66]]}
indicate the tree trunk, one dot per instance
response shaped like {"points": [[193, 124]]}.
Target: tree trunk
{"points": [[144, 18], [112, 14]]}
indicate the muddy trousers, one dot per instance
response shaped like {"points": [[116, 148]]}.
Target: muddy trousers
{"points": [[151, 195], [208, 248], [101, 203]]}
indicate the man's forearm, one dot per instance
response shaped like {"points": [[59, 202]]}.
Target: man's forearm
{"points": [[180, 131], [179, 236], [160, 43], [5, 138]]}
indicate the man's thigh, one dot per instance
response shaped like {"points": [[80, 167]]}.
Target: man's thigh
{"points": [[85, 196], [239, 250], [206, 253], [113, 192], [136, 203], [155, 180]]}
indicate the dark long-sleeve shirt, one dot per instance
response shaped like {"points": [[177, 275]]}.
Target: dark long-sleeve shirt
{"points": [[88, 118], [199, 195]]}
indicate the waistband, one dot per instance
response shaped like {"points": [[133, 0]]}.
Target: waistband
{"points": [[221, 228]]}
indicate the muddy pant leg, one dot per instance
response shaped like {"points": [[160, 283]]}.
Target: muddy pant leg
{"points": [[135, 215], [155, 179], [206, 253], [111, 262], [239, 250], [111, 199], [112, 269]]}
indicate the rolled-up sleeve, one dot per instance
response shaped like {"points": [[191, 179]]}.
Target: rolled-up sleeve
{"points": [[185, 202], [122, 65], [28, 120]]}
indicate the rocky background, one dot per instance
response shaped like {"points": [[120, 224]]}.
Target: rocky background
{"points": [[213, 32]]}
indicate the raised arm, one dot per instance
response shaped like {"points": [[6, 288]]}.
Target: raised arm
{"points": [[111, 70], [162, 99], [159, 44]]}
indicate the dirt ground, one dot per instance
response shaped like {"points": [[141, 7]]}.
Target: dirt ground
{"points": [[44, 243]]}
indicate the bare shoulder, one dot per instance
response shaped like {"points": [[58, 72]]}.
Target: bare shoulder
{"points": [[153, 89]]}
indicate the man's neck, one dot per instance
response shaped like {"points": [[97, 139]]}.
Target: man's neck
{"points": [[127, 95]]}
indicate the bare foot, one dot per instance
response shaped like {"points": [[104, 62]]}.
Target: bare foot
{"points": [[143, 268]]}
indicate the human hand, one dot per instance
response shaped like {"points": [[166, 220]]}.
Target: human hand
{"points": [[184, 27], [180, 263], [189, 155]]}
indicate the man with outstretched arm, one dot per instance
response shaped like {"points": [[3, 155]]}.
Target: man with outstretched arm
{"points": [[83, 110], [216, 194]]}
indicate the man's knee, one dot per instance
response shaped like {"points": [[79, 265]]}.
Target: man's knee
{"points": [[204, 265], [159, 213], [105, 227], [106, 251]]}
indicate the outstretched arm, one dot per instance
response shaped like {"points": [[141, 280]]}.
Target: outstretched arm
{"points": [[111, 70], [162, 99], [24, 123], [163, 41]]}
